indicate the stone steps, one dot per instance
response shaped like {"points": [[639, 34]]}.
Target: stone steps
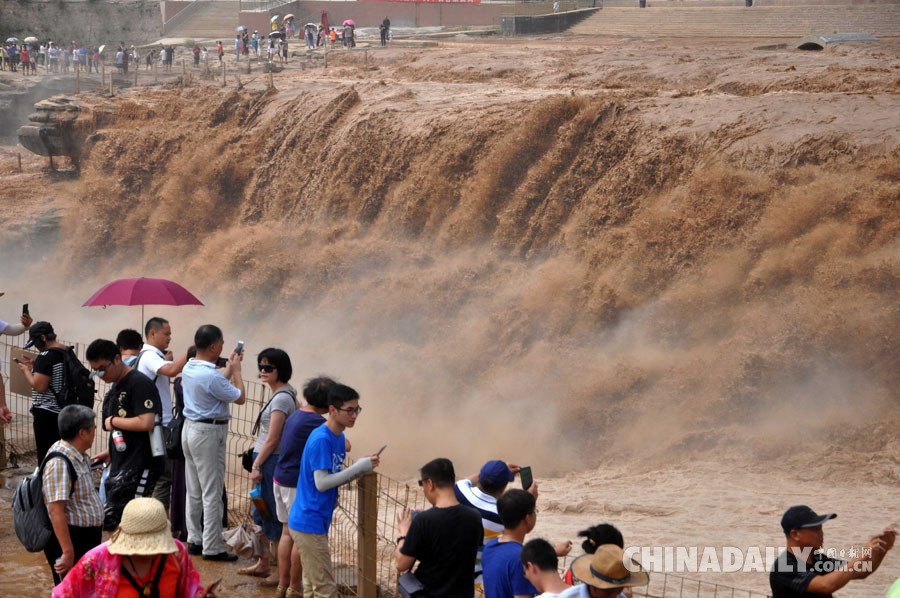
{"points": [[206, 19], [881, 20]]}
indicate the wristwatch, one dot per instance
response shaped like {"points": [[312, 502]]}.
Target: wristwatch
{"points": [[400, 538]]}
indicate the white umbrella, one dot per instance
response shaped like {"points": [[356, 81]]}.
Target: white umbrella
{"points": [[273, 19], [101, 48], [12, 39], [31, 40], [241, 28]]}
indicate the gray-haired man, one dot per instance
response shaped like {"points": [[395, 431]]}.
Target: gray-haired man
{"points": [[76, 512]]}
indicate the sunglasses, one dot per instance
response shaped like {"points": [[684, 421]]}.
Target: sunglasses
{"points": [[100, 372], [268, 368]]}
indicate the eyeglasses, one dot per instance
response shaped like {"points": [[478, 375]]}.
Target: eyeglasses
{"points": [[422, 482], [267, 367], [350, 410]]}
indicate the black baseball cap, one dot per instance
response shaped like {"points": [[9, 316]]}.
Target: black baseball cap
{"points": [[36, 331], [801, 516]]}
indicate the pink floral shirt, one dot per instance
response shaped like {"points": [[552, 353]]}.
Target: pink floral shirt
{"points": [[97, 575]]}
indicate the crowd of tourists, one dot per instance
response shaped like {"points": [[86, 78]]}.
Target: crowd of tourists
{"points": [[162, 501], [28, 55]]}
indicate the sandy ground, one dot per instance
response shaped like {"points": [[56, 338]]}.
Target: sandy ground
{"points": [[776, 112]]}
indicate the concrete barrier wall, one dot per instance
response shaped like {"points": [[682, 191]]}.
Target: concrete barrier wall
{"points": [[881, 20], [92, 22], [549, 23], [370, 14]]}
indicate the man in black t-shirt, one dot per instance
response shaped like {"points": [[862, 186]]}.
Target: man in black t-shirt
{"points": [[803, 572], [46, 375], [444, 539], [131, 407]]}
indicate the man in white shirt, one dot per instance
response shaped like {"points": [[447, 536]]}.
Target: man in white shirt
{"points": [[538, 558], [152, 362]]}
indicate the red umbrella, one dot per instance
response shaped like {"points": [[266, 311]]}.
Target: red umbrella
{"points": [[324, 20], [142, 291]]}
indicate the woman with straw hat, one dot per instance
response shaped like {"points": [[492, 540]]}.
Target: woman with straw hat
{"points": [[141, 559]]}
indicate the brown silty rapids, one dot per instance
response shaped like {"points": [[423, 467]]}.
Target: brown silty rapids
{"points": [[671, 266]]}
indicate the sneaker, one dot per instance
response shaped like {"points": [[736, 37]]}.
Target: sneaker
{"points": [[222, 556], [195, 548]]}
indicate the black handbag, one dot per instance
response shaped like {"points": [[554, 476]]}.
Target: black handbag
{"points": [[410, 586], [173, 435]]}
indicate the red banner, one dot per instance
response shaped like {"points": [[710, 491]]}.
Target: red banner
{"points": [[431, 1]]}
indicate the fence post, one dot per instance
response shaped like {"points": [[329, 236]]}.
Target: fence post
{"points": [[2, 446], [367, 540]]}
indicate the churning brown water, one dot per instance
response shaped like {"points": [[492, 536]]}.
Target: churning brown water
{"points": [[674, 266]]}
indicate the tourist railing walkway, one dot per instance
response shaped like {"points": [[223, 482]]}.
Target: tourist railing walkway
{"points": [[363, 529]]}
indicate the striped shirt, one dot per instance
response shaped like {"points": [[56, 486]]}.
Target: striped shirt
{"points": [[52, 364], [83, 506], [486, 505]]}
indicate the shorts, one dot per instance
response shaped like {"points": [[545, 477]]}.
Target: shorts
{"points": [[284, 498]]}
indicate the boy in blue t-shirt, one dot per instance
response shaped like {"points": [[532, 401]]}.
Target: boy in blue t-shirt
{"points": [[321, 472], [504, 576]]}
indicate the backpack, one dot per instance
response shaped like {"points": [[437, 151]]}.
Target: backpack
{"points": [[78, 386], [30, 517]]}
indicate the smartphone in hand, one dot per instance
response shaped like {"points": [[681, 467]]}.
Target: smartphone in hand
{"points": [[24, 309], [526, 477], [240, 347]]}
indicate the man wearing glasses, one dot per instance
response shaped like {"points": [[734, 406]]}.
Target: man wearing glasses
{"points": [[321, 472], [130, 407]]}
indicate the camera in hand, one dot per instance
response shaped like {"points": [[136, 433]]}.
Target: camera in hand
{"points": [[221, 362]]}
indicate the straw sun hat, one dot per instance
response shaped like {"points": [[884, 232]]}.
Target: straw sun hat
{"points": [[144, 529], [606, 569]]}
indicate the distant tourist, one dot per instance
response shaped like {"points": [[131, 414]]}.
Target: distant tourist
{"points": [[802, 570], [383, 29]]}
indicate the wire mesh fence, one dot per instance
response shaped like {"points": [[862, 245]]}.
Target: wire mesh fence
{"points": [[364, 525]]}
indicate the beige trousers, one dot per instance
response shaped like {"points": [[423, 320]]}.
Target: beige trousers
{"points": [[315, 554]]}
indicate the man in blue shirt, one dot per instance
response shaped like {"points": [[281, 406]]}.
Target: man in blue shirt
{"points": [[321, 472], [504, 576], [207, 394]]}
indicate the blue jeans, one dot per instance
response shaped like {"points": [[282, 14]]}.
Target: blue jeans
{"points": [[271, 526]]}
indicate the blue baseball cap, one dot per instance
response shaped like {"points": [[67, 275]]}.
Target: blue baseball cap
{"points": [[497, 472]]}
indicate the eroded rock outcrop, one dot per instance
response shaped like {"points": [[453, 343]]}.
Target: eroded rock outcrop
{"points": [[61, 126]]}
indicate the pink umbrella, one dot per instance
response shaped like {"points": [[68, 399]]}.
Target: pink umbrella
{"points": [[142, 291]]}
